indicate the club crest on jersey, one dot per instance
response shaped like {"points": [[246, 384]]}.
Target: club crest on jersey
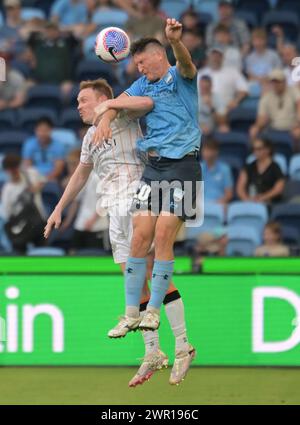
{"points": [[169, 78]]}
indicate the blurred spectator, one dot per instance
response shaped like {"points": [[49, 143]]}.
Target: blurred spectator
{"points": [[13, 90], [90, 227], [232, 55], [262, 60], [272, 246], [228, 83], [217, 175], [21, 181], [69, 12], [288, 53], [44, 153], [194, 43], [212, 111], [262, 180], [53, 56], [190, 22], [238, 28], [149, 23], [209, 243], [279, 109], [10, 39]]}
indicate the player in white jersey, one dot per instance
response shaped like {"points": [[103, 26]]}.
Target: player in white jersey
{"points": [[119, 169]]}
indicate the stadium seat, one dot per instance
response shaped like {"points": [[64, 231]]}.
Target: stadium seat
{"points": [[29, 116], [287, 214], [290, 235], [289, 5], [242, 118], [250, 103], [288, 20], [281, 140], [45, 252], [66, 137], [278, 158], [12, 141], [45, 96], [205, 19], [233, 144], [213, 218], [91, 69], [291, 191], [72, 99], [207, 6], [294, 168], [259, 7], [249, 214], [110, 18], [70, 119], [88, 46], [242, 241], [51, 194], [249, 17], [235, 163], [175, 8], [1, 19], [90, 252], [7, 119], [28, 13]]}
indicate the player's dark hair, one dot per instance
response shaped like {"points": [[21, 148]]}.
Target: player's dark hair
{"points": [[140, 45], [11, 161], [44, 120]]}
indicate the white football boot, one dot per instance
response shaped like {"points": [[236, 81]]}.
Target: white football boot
{"points": [[182, 362], [151, 363], [126, 324], [150, 321]]}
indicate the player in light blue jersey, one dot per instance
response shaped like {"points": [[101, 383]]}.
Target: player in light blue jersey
{"points": [[172, 146]]}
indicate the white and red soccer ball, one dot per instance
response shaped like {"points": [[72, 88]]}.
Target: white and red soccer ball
{"points": [[112, 45]]}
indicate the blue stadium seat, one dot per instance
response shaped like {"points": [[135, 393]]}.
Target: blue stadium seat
{"points": [[1, 19], [287, 214], [249, 17], [91, 69], [175, 8], [205, 19], [29, 116], [51, 194], [45, 252], [291, 190], [251, 214], [294, 168], [28, 13], [290, 235], [259, 7], [233, 144], [12, 141], [242, 118], [110, 18], [7, 119], [88, 46], [250, 103], [66, 137], [72, 99], [288, 20], [242, 241], [278, 158], [70, 119], [90, 252], [207, 6], [281, 140], [289, 5], [214, 217], [45, 96]]}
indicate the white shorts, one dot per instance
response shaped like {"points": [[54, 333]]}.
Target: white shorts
{"points": [[120, 234]]}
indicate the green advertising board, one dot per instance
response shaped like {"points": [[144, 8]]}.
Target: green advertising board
{"points": [[54, 319]]}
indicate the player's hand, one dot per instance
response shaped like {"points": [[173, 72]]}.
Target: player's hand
{"points": [[103, 132], [173, 30], [53, 221], [101, 109]]}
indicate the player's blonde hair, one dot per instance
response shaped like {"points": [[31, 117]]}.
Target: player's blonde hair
{"points": [[101, 86]]}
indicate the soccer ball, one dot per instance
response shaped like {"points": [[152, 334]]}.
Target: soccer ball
{"points": [[112, 45]]}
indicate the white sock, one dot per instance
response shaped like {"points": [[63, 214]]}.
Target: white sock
{"points": [[132, 311], [175, 315], [151, 339]]}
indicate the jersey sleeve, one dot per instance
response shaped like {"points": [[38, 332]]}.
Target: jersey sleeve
{"points": [[136, 88], [85, 156]]}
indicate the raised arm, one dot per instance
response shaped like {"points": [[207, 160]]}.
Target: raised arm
{"points": [[76, 183], [184, 62], [139, 105]]}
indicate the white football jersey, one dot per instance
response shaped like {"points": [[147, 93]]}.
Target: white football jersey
{"points": [[116, 161]]}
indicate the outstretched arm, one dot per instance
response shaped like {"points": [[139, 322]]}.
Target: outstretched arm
{"points": [[137, 104], [184, 62]]}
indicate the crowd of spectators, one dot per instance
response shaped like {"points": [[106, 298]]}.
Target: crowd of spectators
{"points": [[249, 106]]}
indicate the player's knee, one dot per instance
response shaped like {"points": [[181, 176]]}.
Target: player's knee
{"points": [[164, 237], [140, 244]]}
